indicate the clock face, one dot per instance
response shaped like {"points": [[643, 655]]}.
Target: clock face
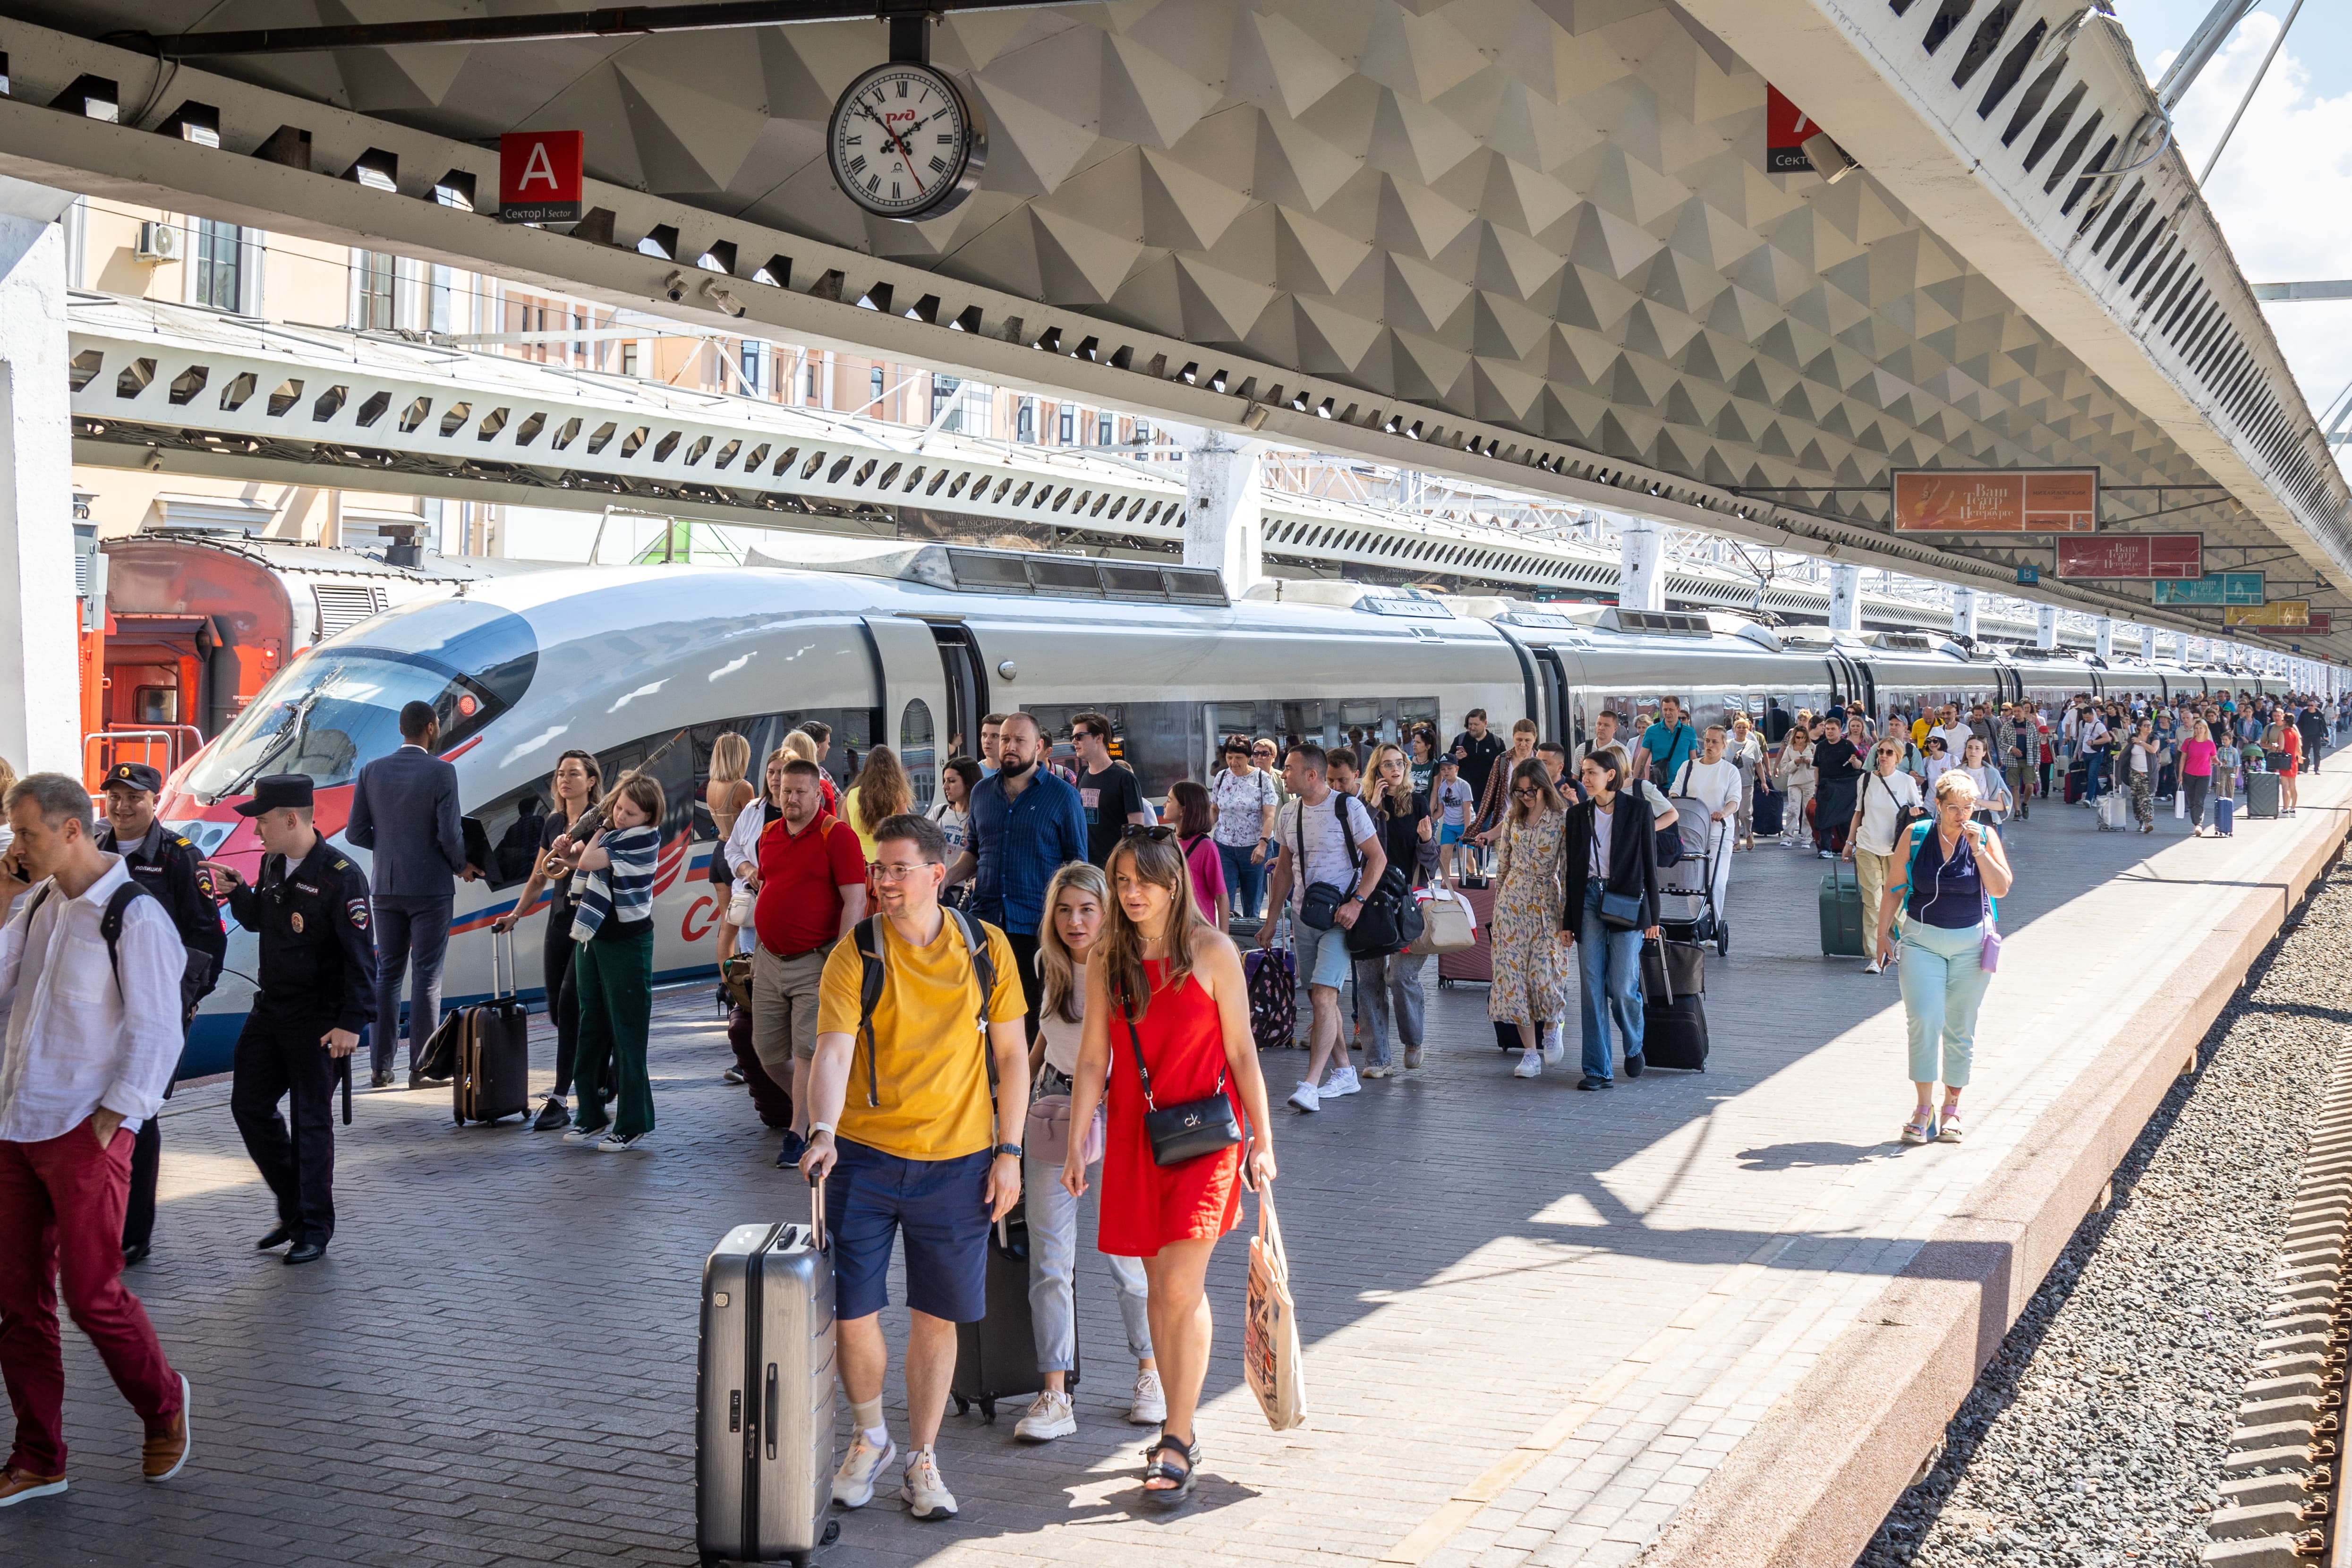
{"points": [[905, 144]]}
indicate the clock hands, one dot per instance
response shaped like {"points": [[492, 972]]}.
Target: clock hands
{"points": [[904, 154]]}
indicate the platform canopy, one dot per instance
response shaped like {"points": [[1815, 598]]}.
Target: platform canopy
{"points": [[1531, 241]]}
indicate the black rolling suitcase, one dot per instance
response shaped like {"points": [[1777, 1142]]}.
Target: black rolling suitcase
{"points": [[1673, 1006], [491, 1076], [996, 1358], [1770, 813], [763, 1395]]}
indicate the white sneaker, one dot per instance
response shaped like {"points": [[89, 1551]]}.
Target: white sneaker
{"points": [[1554, 1047], [925, 1495], [1050, 1416], [1870, 968], [1303, 1097], [1149, 1406], [1531, 1065], [1341, 1081], [590, 1135], [853, 1484]]}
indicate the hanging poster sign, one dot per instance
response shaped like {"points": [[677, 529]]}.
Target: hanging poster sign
{"points": [[1996, 501], [2320, 623], [2177, 556], [1785, 129], [2214, 588], [2295, 613], [539, 177]]}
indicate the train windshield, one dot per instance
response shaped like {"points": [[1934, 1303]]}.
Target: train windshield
{"points": [[337, 708]]}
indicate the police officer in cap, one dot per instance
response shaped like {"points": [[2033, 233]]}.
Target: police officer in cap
{"points": [[318, 978], [167, 865]]}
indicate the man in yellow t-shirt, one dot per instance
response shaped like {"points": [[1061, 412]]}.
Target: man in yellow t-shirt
{"points": [[900, 1117]]}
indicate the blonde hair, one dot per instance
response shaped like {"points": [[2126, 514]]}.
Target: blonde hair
{"points": [[730, 758], [882, 789], [1955, 781], [1397, 798], [1056, 964], [1161, 862], [796, 744]]}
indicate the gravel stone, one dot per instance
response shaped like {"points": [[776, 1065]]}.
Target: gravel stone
{"points": [[2096, 1438]]}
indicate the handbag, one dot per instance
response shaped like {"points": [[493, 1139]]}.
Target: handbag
{"points": [[1673, 968], [1621, 911], [1446, 925], [1045, 1131], [735, 975], [1184, 1132], [1273, 1358], [1391, 917], [1319, 907], [1905, 815], [1989, 951]]}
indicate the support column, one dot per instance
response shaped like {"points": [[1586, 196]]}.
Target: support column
{"points": [[1225, 529], [2147, 643], [1642, 577], [40, 716], [2180, 648], [2103, 637], [2045, 625], [1845, 598], [1964, 614]]}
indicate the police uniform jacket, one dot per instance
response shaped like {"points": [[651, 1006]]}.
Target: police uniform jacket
{"points": [[318, 960], [165, 865]]}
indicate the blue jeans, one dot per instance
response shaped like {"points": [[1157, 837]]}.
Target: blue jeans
{"points": [[1245, 881], [1610, 962], [1943, 986], [411, 934], [2098, 763]]}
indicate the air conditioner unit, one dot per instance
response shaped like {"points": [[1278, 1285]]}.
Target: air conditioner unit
{"points": [[158, 242]]}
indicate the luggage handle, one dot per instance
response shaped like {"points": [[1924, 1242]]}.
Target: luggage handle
{"points": [[514, 973], [816, 1212]]}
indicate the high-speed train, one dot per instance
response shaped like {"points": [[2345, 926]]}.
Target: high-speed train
{"points": [[909, 644]]}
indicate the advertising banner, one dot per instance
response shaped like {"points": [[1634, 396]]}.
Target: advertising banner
{"points": [[2179, 556], [2214, 588], [2295, 613], [1996, 501]]}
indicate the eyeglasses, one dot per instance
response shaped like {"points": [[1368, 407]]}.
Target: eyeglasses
{"points": [[1525, 792], [884, 872]]}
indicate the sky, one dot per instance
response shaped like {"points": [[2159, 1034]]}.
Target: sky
{"points": [[2282, 190]]}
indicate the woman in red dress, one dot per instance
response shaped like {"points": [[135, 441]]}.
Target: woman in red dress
{"points": [[1180, 982]]}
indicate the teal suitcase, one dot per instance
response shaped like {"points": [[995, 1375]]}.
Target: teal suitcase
{"points": [[1842, 924]]}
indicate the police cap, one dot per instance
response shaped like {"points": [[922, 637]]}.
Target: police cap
{"points": [[138, 775], [273, 790]]}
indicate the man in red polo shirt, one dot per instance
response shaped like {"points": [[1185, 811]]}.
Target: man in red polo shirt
{"points": [[812, 889]]}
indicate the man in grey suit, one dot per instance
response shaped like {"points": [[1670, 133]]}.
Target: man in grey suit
{"points": [[404, 814]]}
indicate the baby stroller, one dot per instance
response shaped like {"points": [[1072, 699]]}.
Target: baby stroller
{"points": [[1686, 911]]}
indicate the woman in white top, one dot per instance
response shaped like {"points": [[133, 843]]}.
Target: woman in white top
{"points": [[1880, 809], [1242, 801], [1939, 759], [952, 812], [1992, 786], [1074, 901], [1794, 768]]}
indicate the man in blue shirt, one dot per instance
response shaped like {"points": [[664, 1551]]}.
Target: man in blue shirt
{"points": [[1026, 824], [1666, 745]]}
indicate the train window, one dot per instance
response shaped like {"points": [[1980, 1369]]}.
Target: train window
{"points": [[156, 704], [918, 752]]}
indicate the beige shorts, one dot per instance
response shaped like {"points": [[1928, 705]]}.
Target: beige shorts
{"points": [[784, 1005]]}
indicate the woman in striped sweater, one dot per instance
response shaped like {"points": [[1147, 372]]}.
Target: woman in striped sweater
{"points": [[615, 970]]}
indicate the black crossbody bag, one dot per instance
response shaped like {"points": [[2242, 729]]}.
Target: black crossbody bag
{"points": [[1181, 1133]]}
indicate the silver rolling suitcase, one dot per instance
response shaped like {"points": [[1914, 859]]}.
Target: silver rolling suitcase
{"points": [[763, 1426]]}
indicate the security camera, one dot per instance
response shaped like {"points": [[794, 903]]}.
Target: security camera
{"points": [[720, 296], [675, 285]]}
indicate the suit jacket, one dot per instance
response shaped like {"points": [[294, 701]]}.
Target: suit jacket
{"points": [[1632, 857], [404, 813]]}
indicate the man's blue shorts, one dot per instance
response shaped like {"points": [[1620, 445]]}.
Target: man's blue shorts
{"points": [[1451, 833], [941, 1206]]}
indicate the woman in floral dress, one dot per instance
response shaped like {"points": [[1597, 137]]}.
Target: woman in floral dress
{"points": [[1531, 969]]}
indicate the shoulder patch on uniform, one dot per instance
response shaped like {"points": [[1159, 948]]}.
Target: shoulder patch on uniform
{"points": [[182, 844], [358, 911], [341, 866]]}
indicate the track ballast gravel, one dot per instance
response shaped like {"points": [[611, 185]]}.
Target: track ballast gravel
{"points": [[2096, 1436]]}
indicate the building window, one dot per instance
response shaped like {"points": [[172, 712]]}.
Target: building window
{"points": [[943, 390], [441, 285], [755, 366], [1024, 422], [375, 291], [219, 272], [628, 359], [1069, 426], [1102, 431], [808, 382], [874, 402]]}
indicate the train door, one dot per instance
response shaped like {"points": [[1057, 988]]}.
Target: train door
{"points": [[926, 691], [1552, 693]]}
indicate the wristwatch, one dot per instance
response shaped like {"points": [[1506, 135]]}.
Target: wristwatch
{"points": [[1012, 1149]]}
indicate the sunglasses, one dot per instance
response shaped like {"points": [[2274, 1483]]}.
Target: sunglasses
{"points": [[1156, 835]]}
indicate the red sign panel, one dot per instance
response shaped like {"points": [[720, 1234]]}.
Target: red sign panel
{"points": [[1996, 501], [2320, 623], [539, 177], [1785, 129], [2174, 557]]}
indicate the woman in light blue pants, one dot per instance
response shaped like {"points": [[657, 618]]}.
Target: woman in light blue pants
{"points": [[1952, 870]]}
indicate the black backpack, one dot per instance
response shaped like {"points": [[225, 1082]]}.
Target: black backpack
{"points": [[869, 989]]}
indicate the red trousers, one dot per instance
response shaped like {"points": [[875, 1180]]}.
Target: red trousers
{"points": [[61, 1205]]}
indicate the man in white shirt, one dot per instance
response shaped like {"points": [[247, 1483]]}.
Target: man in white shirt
{"points": [[1955, 731], [93, 1033], [1887, 791], [1713, 780], [1312, 818]]}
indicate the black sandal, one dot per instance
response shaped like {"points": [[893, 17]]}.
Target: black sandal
{"points": [[1156, 1468]]}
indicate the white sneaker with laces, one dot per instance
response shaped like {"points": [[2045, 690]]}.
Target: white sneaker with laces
{"points": [[1554, 1047], [1341, 1081], [1305, 1099], [1050, 1416], [926, 1496], [1149, 1406], [1531, 1065], [853, 1484]]}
